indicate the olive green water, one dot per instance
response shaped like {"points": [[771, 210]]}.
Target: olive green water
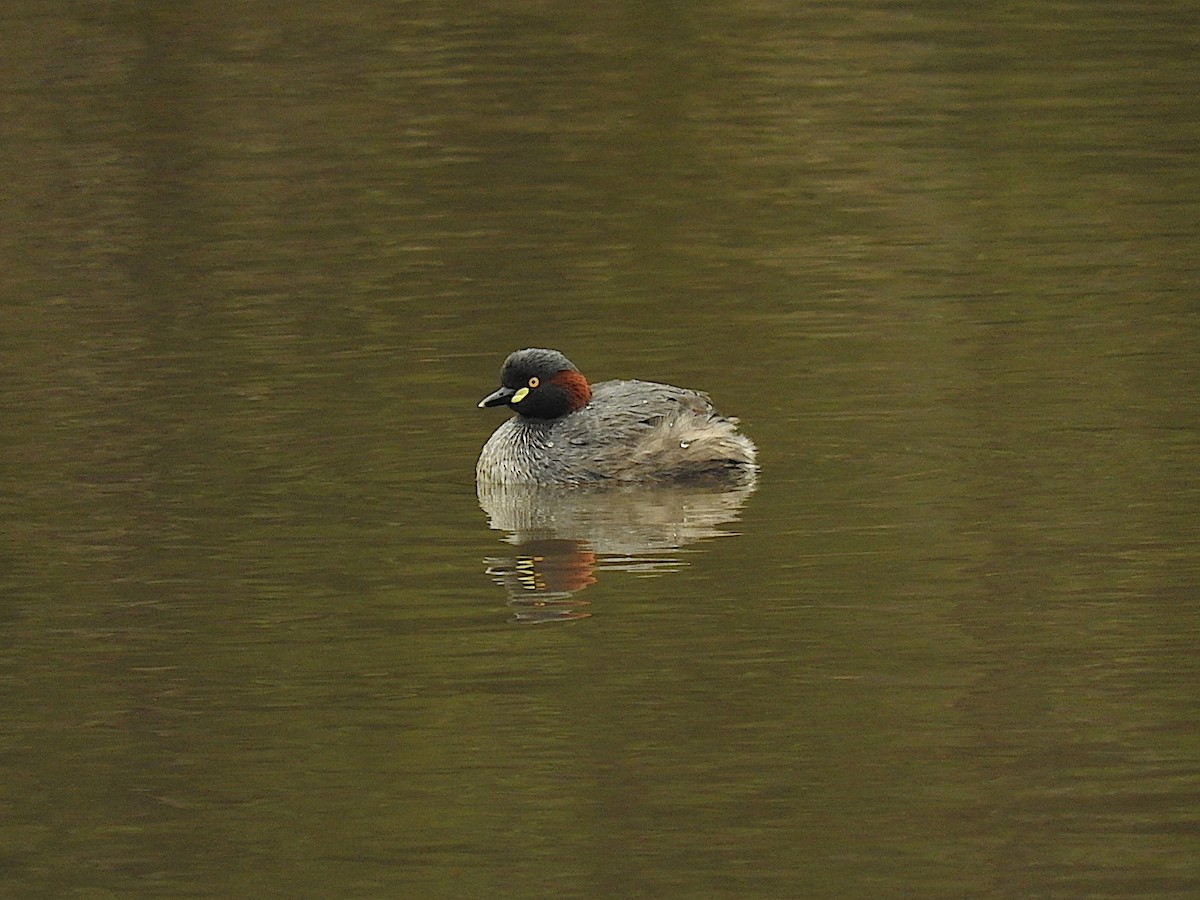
{"points": [[257, 635]]}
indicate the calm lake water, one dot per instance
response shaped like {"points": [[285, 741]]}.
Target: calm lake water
{"points": [[259, 636]]}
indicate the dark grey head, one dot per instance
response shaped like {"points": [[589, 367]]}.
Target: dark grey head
{"points": [[540, 384]]}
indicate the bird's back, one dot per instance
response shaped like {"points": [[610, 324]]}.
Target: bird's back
{"points": [[642, 430]]}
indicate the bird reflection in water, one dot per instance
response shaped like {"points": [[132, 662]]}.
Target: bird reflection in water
{"points": [[542, 580], [564, 537]]}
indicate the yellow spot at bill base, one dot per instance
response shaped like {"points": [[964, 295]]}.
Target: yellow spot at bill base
{"points": [[520, 395]]}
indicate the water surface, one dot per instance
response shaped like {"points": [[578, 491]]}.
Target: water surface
{"points": [[260, 638]]}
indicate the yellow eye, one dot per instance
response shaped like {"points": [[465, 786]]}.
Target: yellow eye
{"points": [[533, 382]]}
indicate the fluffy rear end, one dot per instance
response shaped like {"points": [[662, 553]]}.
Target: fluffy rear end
{"points": [[704, 446]]}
